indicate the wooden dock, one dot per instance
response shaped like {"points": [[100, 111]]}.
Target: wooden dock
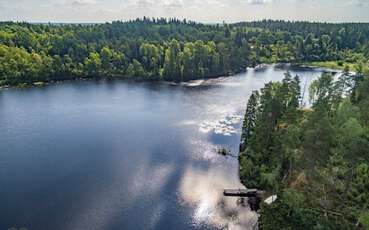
{"points": [[242, 192]]}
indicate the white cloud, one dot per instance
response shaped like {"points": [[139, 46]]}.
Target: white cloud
{"points": [[172, 3], [258, 2], [159, 3], [84, 2], [361, 2]]}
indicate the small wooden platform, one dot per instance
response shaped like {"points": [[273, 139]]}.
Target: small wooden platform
{"points": [[242, 192]]}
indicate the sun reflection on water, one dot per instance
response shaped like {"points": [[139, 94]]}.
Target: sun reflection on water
{"points": [[202, 190]]}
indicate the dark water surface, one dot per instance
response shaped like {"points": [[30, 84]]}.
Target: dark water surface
{"points": [[102, 155]]}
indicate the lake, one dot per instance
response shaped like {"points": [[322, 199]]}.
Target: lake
{"points": [[122, 155]]}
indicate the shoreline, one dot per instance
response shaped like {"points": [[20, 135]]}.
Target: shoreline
{"points": [[335, 65], [258, 67], [39, 84]]}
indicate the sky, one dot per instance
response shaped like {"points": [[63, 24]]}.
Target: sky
{"points": [[206, 11]]}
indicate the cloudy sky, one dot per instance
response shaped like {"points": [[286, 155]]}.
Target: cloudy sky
{"points": [[208, 11]]}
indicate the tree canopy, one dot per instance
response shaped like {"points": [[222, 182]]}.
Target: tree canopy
{"points": [[316, 160], [168, 49]]}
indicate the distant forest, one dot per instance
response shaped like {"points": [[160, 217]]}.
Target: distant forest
{"points": [[169, 49]]}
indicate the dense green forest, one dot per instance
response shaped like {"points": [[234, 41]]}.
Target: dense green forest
{"points": [[169, 49], [316, 160]]}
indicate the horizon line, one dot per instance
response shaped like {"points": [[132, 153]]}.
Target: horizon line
{"points": [[182, 20]]}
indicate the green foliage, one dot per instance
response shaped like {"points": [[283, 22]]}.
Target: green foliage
{"points": [[170, 49], [135, 70], [316, 159], [93, 65], [261, 159], [250, 118], [364, 220]]}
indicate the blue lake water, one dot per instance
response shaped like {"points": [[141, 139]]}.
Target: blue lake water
{"points": [[120, 155]]}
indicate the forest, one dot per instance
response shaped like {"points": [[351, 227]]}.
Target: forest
{"points": [[170, 49], [315, 159]]}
